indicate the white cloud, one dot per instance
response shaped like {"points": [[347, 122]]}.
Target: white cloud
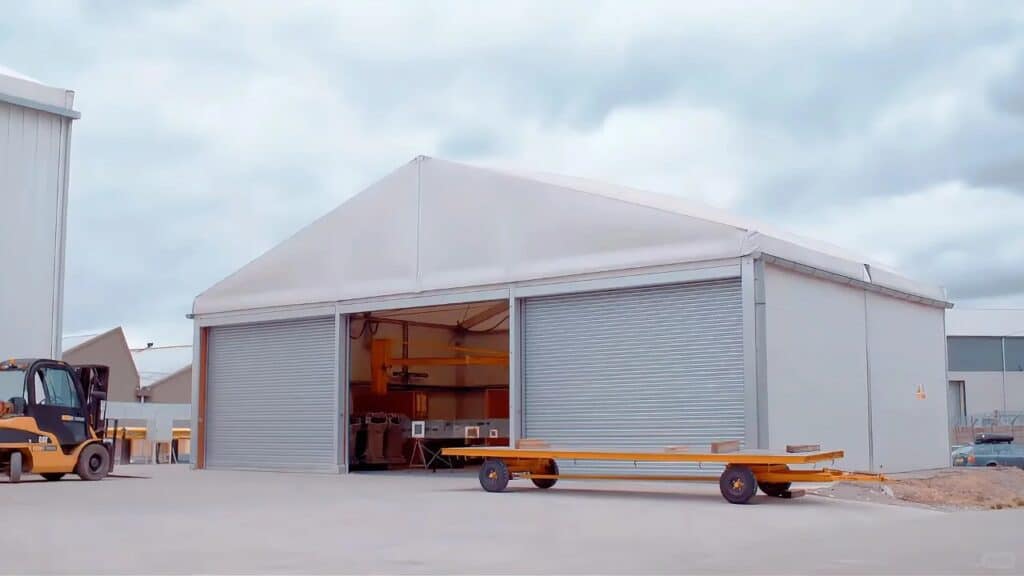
{"points": [[950, 233], [212, 130]]}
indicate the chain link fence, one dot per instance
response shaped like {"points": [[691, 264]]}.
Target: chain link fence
{"points": [[1008, 423]]}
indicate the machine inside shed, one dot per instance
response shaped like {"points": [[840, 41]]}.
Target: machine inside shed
{"points": [[425, 378]]}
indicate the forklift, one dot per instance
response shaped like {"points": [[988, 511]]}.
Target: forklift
{"points": [[52, 421]]}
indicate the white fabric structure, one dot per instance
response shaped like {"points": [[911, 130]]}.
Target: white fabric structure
{"points": [[434, 224]]}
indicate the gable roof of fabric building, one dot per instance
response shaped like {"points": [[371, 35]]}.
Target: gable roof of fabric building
{"points": [[435, 224]]}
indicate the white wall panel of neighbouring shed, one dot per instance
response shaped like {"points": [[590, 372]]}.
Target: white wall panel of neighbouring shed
{"points": [[816, 365], [35, 136], [907, 350]]}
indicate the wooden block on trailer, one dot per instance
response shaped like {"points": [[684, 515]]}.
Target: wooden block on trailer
{"points": [[725, 446], [677, 449], [532, 443], [801, 448]]}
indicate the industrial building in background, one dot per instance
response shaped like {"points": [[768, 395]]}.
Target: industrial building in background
{"points": [[449, 304], [110, 349], [986, 372], [149, 393], [35, 148]]}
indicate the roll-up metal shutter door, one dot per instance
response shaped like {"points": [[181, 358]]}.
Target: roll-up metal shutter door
{"points": [[272, 396], [636, 369]]}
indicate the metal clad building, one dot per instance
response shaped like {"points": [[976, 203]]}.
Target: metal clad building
{"points": [[986, 364], [636, 320], [35, 143]]}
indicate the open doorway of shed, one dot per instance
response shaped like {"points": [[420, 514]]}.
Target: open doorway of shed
{"points": [[421, 379]]}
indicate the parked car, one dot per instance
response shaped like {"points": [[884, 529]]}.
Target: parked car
{"points": [[990, 450]]}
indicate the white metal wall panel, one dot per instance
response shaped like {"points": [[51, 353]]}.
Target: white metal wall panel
{"points": [[272, 396], [33, 161], [907, 350], [816, 367], [640, 368]]}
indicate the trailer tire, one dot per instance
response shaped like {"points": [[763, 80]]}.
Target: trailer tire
{"points": [[494, 475], [93, 462], [545, 483], [14, 468], [776, 489], [738, 484]]}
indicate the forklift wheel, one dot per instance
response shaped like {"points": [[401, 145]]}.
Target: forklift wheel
{"points": [[14, 468], [53, 476], [93, 462]]}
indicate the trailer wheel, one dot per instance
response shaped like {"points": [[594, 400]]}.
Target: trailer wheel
{"points": [[738, 484], [93, 462], [494, 475], [53, 476], [14, 468], [775, 489], [544, 483]]}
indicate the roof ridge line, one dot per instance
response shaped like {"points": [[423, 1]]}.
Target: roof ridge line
{"points": [[526, 176]]}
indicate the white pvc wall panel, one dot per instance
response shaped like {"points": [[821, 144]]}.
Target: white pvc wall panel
{"points": [[32, 192], [907, 347], [637, 369], [272, 393], [816, 388]]}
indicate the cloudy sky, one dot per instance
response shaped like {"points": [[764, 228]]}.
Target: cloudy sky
{"points": [[211, 131]]}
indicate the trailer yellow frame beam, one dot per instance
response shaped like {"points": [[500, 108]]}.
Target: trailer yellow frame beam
{"points": [[746, 457], [745, 471]]}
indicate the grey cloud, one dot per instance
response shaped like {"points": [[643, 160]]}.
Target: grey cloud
{"points": [[159, 213], [469, 144]]}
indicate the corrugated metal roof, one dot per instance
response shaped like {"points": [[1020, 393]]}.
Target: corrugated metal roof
{"points": [[985, 322], [156, 363]]}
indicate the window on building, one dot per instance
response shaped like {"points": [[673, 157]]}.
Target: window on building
{"points": [[1015, 354], [975, 354]]}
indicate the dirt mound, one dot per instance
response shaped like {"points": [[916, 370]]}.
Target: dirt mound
{"points": [[950, 489], [993, 488]]}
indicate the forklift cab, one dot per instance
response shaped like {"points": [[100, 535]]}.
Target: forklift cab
{"points": [[64, 400]]}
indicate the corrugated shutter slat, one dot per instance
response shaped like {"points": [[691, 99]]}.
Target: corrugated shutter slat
{"points": [[640, 369], [271, 396]]}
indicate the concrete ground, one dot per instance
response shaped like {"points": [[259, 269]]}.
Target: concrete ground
{"points": [[179, 521]]}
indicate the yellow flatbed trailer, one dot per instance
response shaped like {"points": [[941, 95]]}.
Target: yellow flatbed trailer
{"points": [[745, 471]]}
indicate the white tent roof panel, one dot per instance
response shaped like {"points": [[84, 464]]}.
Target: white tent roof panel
{"points": [[434, 224]]}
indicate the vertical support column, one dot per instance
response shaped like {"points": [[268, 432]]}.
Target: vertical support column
{"points": [[338, 412], [342, 396], [194, 399], [867, 380], [750, 397], [1003, 342], [761, 349], [515, 417], [199, 394]]}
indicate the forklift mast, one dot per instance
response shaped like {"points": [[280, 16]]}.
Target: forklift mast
{"points": [[94, 380]]}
